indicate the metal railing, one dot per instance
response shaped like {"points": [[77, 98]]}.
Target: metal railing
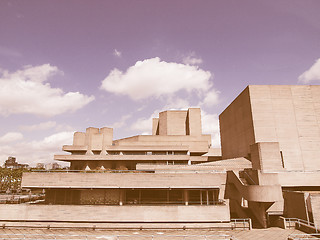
{"points": [[159, 236], [303, 236], [291, 223], [17, 199], [164, 203], [92, 171], [241, 223], [241, 175], [131, 171]]}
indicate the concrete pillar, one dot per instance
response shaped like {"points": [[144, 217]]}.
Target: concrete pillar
{"points": [[121, 197], [186, 197], [89, 137]]}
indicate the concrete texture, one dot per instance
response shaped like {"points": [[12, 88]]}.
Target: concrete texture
{"points": [[122, 180], [270, 139], [199, 234], [101, 213], [289, 115]]}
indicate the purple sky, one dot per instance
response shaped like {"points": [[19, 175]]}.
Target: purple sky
{"points": [[68, 65]]}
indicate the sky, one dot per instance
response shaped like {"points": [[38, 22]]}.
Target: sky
{"points": [[69, 65]]}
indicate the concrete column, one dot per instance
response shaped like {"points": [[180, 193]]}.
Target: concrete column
{"points": [[121, 197], [186, 197], [89, 137]]}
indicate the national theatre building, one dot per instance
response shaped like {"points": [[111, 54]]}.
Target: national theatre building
{"points": [[268, 168]]}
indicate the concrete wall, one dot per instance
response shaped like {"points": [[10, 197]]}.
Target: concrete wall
{"points": [[315, 207], [236, 127], [266, 156], [286, 114], [295, 205], [194, 143], [114, 213], [293, 179], [194, 126], [122, 180], [178, 123]]}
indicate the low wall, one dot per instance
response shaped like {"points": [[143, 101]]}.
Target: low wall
{"points": [[91, 213], [122, 180]]}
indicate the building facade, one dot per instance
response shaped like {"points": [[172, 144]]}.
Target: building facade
{"points": [[276, 127], [140, 179], [268, 167]]}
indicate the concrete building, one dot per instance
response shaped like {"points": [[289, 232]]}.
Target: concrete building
{"points": [[278, 129], [268, 167], [137, 179]]}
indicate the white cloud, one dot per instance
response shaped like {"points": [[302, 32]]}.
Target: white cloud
{"points": [[117, 53], [155, 78], [32, 152], [121, 122], [312, 74], [210, 125], [211, 98], [27, 91], [11, 137], [39, 127], [192, 60], [143, 125], [176, 103]]}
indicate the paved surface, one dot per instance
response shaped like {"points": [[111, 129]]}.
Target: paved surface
{"points": [[269, 234]]}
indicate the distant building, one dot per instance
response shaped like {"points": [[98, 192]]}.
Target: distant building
{"points": [[40, 166], [12, 163], [52, 166]]}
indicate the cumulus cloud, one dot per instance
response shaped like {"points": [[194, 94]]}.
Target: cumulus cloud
{"points": [[312, 74], [155, 78], [210, 125], [32, 152], [143, 125], [11, 137], [176, 103], [211, 98], [192, 60], [116, 53], [121, 122], [28, 91], [39, 127]]}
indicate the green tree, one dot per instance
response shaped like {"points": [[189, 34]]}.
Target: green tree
{"points": [[10, 178]]}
